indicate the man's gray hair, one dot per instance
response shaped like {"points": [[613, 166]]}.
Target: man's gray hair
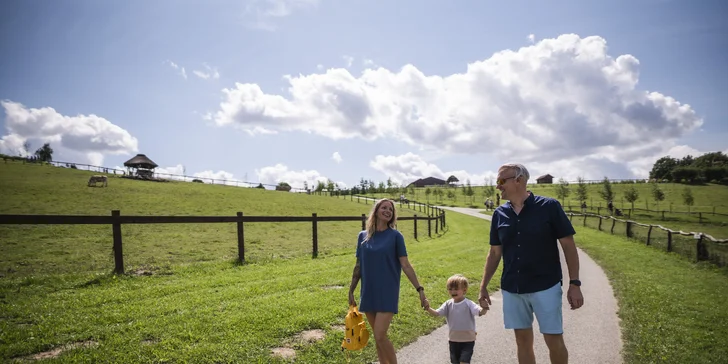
{"points": [[520, 170]]}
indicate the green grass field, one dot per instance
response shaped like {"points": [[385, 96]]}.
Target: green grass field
{"points": [[212, 310], [708, 199], [34, 189]]}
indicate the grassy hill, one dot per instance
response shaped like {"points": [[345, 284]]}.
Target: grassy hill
{"points": [[35, 189]]}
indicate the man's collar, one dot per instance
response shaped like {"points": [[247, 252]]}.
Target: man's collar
{"points": [[529, 200]]}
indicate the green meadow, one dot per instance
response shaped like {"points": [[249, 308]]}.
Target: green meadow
{"points": [[195, 304]]}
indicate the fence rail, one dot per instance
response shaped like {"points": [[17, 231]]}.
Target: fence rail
{"points": [[696, 245], [116, 220]]}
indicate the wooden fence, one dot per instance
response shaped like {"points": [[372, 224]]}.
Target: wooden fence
{"points": [[696, 245], [116, 220]]}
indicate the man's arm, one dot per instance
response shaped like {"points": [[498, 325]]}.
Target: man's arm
{"points": [[571, 255], [491, 264]]}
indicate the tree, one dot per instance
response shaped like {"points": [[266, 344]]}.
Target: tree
{"points": [[631, 195], [687, 196], [606, 192], [688, 174], [412, 192], [363, 183], [382, 188], [428, 191], [305, 185], [389, 185], [451, 195], [489, 189], [452, 179], [439, 193], [713, 159], [469, 191], [662, 169], [716, 174], [657, 193], [581, 192], [45, 153], [562, 190], [320, 186], [330, 186], [26, 148]]}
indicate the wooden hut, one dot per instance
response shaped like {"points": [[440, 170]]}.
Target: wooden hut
{"points": [[140, 167]]}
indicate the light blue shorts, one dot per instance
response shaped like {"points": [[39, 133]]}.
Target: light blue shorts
{"points": [[518, 310]]}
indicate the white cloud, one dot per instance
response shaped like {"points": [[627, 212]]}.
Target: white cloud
{"points": [[180, 70], [349, 60], [320, 67], [206, 75], [368, 63], [559, 99], [406, 168], [336, 157], [262, 14], [280, 173], [89, 136], [217, 177], [531, 38]]}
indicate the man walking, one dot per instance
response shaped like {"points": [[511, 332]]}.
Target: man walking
{"points": [[524, 232]]}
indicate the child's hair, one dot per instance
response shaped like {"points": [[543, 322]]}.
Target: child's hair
{"points": [[457, 281]]}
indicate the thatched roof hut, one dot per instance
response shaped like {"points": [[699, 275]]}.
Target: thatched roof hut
{"points": [[140, 161]]}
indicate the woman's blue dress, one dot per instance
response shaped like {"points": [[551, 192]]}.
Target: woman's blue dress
{"points": [[380, 270]]}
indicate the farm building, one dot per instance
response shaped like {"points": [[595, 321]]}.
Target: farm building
{"points": [[545, 179], [429, 181]]}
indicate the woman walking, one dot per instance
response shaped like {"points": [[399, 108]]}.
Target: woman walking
{"points": [[381, 256]]}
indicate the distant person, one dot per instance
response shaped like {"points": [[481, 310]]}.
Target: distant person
{"points": [[610, 207], [524, 232], [381, 256], [583, 207], [460, 314]]}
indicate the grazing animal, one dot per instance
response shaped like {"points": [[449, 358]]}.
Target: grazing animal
{"points": [[94, 179]]}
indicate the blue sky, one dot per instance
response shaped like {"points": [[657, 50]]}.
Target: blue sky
{"points": [[402, 89]]}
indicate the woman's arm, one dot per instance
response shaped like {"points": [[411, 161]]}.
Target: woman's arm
{"points": [[412, 276], [355, 276]]}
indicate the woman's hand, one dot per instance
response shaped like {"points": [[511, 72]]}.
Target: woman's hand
{"points": [[352, 301], [423, 300]]}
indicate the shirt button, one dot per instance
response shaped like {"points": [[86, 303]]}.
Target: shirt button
{"points": [[519, 245], [519, 232]]}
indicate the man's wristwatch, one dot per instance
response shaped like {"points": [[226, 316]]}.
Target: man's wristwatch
{"points": [[420, 288], [575, 282]]}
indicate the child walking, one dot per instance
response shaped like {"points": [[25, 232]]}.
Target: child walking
{"points": [[460, 313]]}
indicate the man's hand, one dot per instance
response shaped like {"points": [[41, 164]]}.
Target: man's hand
{"points": [[576, 299], [484, 299]]}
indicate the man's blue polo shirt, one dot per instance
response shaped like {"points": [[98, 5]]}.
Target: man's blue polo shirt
{"points": [[530, 249]]}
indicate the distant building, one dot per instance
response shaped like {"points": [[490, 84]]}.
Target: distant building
{"points": [[429, 181], [545, 179]]}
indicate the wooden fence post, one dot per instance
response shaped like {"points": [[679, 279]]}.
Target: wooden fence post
{"points": [[614, 222], [584, 219], [415, 226], [429, 226], [363, 221], [649, 233], [437, 225], [118, 255], [669, 241], [314, 223], [600, 222], [629, 229], [241, 239], [700, 217], [702, 251]]}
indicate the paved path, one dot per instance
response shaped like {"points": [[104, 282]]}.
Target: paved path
{"points": [[591, 333]]}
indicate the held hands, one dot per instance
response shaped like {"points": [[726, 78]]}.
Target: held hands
{"points": [[423, 301], [484, 300], [576, 299]]}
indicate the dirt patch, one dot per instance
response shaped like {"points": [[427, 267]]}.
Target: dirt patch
{"points": [[338, 327], [332, 287], [54, 353], [142, 272], [285, 353], [310, 336]]}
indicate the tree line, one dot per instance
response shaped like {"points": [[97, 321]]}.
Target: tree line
{"points": [[710, 167]]}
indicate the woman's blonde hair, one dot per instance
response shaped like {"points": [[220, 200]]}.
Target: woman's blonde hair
{"points": [[372, 219]]}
